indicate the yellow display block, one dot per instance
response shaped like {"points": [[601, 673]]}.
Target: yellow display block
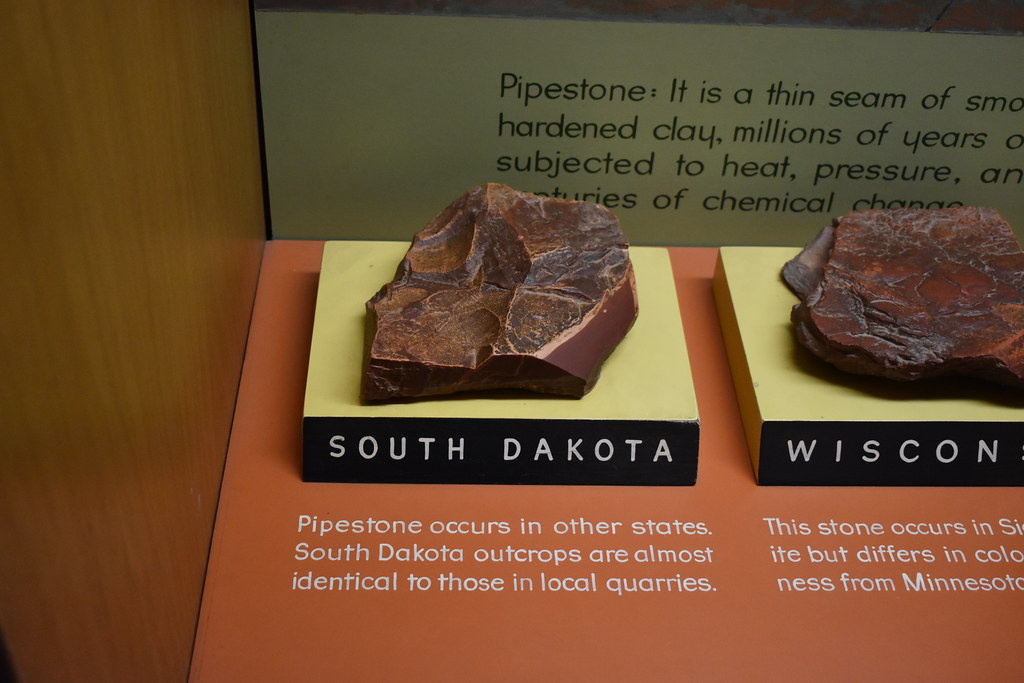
{"points": [[809, 423], [639, 425]]}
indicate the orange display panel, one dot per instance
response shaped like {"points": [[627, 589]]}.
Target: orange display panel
{"points": [[724, 580]]}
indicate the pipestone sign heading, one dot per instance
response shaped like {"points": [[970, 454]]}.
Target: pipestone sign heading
{"points": [[500, 451], [514, 86]]}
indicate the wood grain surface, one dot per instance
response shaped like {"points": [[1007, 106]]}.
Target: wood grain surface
{"points": [[133, 221], [131, 208]]}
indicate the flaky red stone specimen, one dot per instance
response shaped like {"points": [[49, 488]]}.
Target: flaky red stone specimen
{"points": [[914, 293], [502, 289]]}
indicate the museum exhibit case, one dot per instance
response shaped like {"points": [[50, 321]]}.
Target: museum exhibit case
{"points": [[166, 345], [869, 567]]}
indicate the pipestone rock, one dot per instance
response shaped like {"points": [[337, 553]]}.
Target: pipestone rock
{"points": [[502, 290], [914, 293]]}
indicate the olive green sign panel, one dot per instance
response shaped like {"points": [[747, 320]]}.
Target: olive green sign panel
{"points": [[692, 135]]}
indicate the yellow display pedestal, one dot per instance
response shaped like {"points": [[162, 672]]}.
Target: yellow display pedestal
{"points": [[808, 423], [638, 426]]}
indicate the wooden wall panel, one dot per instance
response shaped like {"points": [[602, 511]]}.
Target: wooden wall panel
{"points": [[131, 210]]}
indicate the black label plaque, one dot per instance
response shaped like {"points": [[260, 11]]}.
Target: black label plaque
{"points": [[500, 451], [892, 453]]}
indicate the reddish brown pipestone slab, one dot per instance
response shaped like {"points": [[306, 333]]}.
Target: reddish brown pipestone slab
{"points": [[914, 293], [502, 289]]}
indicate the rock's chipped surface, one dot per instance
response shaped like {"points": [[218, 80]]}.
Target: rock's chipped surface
{"points": [[914, 293], [502, 289]]}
